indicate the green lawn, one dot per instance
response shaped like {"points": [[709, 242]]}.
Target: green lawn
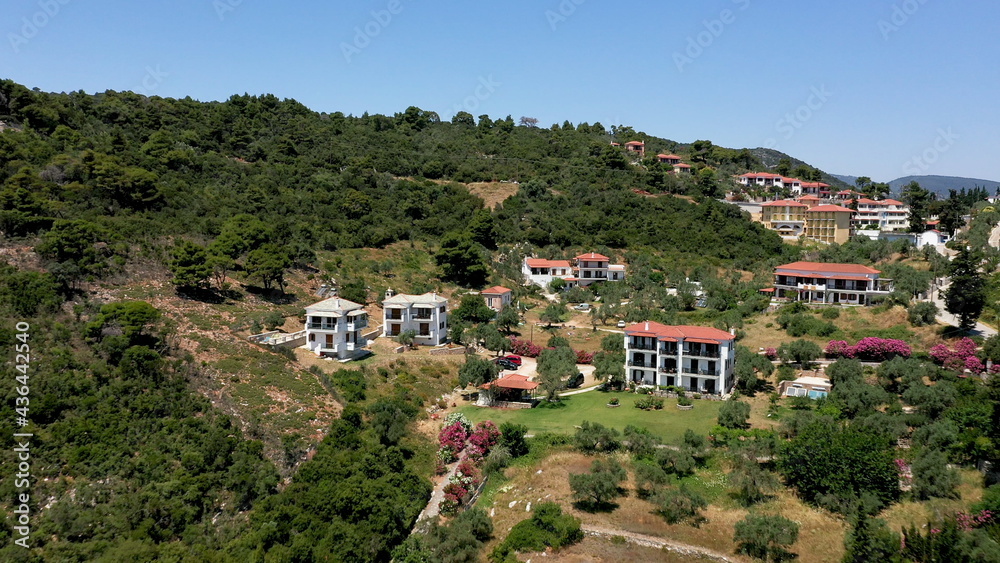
{"points": [[668, 423]]}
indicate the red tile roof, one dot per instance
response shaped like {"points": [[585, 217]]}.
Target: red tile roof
{"points": [[833, 208], [760, 175], [790, 180], [495, 290], [512, 381], [682, 165], [651, 328], [670, 156], [812, 267], [634, 144], [784, 203], [592, 256], [543, 263]]}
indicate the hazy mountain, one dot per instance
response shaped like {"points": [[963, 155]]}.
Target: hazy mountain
{"points": [[937, 184]]}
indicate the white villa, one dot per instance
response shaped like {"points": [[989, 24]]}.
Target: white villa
{"points": [[426, 315], [697, 358], [334, 327], [818, 282], [886, 215], [590, 268]]}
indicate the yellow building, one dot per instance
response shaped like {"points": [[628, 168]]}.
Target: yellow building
{"points": [[828, 223], [786, 217]]}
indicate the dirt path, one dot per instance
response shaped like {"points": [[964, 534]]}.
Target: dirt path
{"points": [[652, 541]]}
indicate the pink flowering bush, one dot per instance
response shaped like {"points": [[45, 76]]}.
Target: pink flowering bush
{"points": [[839, 349], [905, 474], [453, 437], [583, 357], [524, 348], [772, 353], [880, 349], [961, 357], [869, 349], [483, 438], [969, 521]]}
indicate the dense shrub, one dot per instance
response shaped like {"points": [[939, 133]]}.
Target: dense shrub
{"points": [[547, 527], [869, 349]]}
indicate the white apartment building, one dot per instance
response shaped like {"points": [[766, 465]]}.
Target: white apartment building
{"points": [[590, 268], [426, 315], [334, 327], [699, 359]]}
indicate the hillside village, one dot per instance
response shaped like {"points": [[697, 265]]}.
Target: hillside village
{"points": [[524, 342]]}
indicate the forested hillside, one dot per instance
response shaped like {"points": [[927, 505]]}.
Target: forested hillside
{"points": [[137, 169]]}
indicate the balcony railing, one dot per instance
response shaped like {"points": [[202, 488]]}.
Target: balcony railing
{"points": [[689, 371], [357, 325], [642, 364], [666, 369], [422, 316], [323, 326], [702, 353], [639, 346], [671, 351]]}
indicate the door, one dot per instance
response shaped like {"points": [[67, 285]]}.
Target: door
{"points": [[329, 341]]}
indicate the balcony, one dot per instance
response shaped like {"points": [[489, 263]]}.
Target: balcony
{"points": [[357, 325], [636, 364], [322, 326], [670, 351], [422, 314], [702, 353], [640, 346], [668, 369], [689, 371]]}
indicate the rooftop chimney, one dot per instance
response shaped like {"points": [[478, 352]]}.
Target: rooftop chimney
{"points": [[647, 325]]}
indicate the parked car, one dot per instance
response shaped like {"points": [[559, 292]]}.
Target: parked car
{"points": [[583, 307], [504, 363], [575, 381], [514, 359], [621, 324]]}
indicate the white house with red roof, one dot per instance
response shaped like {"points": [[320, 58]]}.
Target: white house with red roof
{"points": [[767, 180], [589, 268], [696, 358], [682, 168], [541, 271], [670, 159], [818, 189], [818, 282], [497, 297]]}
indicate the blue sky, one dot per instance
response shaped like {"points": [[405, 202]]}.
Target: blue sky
{"points": [[863, 87]]}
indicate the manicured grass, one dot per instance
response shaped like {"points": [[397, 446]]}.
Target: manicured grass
{"points": [[563, 418]]}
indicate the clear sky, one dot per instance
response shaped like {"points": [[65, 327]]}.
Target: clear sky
{"points": [[862, 87]]}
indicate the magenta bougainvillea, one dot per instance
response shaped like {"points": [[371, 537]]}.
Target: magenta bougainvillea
{"points": [[583, 357], [525, 348], [960, 357], [483, 438], [869, 349], [453, 437], [772, 353]]}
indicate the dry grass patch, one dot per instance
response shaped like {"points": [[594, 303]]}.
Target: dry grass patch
{"points": [[492, 193], [820, 536], [903, 514]]}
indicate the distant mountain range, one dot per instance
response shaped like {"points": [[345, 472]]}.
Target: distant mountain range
{"points": [[937, 184]]}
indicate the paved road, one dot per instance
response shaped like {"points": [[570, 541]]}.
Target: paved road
{"points": [[937, 296]]}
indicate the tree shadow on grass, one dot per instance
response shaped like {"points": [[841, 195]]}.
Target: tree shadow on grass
{"points": [[272, 296], [555, 405], [594, 507]]}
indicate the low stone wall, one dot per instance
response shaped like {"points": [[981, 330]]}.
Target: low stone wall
{"points": [[449, 351]]}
